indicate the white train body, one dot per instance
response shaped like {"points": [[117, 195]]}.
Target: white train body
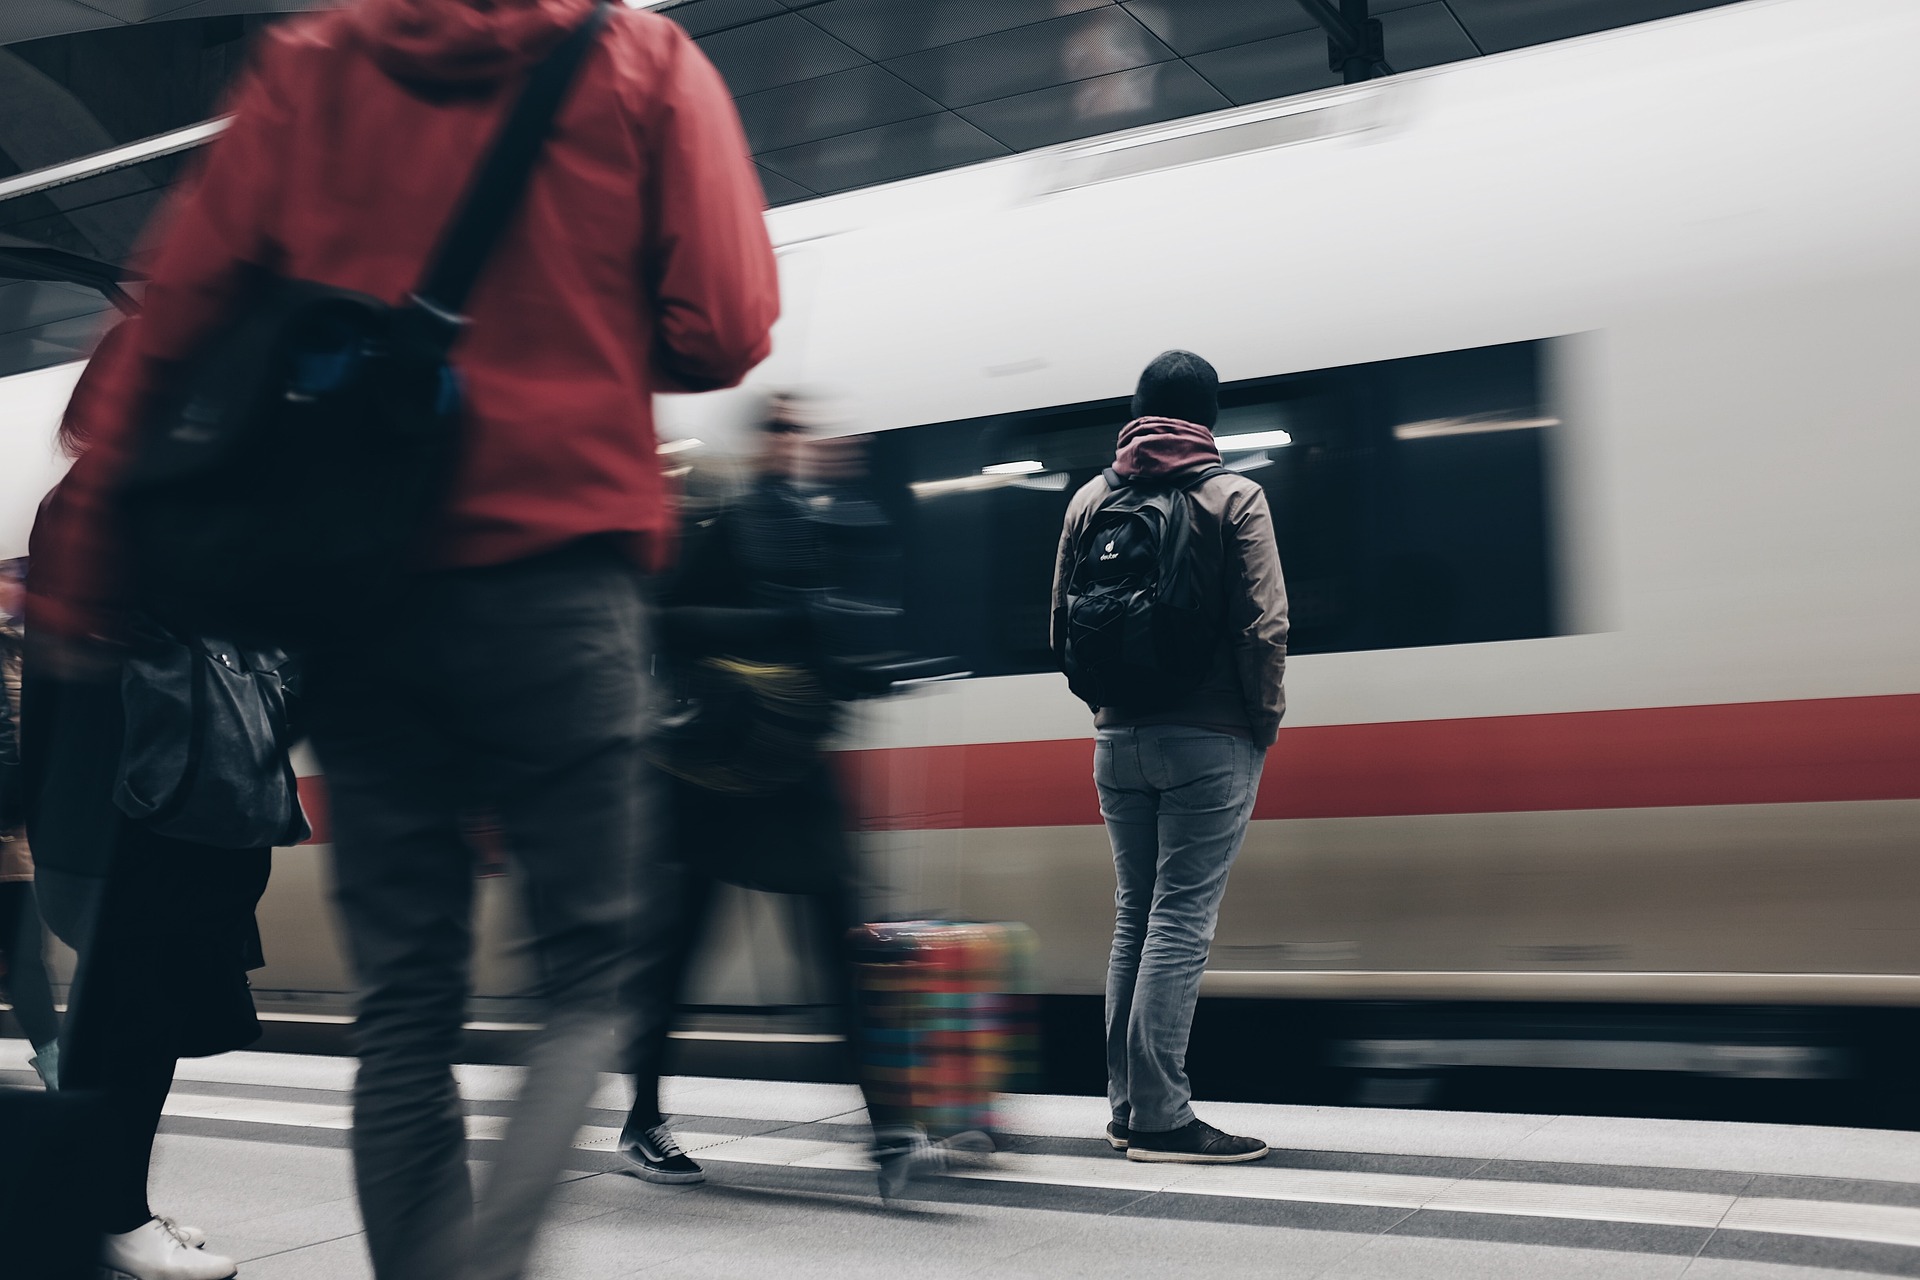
{"points": [[1702, 783]]}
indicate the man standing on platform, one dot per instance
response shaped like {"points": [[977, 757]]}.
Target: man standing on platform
{"points": [[1170, 619]]}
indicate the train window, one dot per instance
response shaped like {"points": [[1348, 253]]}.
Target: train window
{"points": [[1409, 500]]}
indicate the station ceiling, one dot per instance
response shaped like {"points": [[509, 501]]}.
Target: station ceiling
{"points": [[839, 94], [835, 94]]}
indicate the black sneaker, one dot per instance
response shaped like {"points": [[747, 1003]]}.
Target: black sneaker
{"points": [[1118, 1135], [1194, 1143], [655, 1156]]}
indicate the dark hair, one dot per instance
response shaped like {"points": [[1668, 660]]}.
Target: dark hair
{"points": [[1178, 384]]}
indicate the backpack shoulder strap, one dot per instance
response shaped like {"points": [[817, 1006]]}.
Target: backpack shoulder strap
{"points": [[501, 179], [1199, 478]]}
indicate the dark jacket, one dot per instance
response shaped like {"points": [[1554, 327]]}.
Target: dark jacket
{"points": [[746, 579], [1244, 692], [744, 588], [165, 929]]}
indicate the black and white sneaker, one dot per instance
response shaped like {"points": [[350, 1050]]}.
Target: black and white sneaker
{"points": [[656, 1157], [1194, 1143], [1118, 1135], [903, 1154], [969, 1149]]}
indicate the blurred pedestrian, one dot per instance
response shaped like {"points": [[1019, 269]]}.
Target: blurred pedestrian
{"points": [[757, 657], [22, 941], [509, 675], [1170, 619]]}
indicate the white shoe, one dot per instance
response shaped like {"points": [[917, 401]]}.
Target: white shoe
{"points": [[972, 1149], [156, 1250], [192, 1237], [902, 1155]]}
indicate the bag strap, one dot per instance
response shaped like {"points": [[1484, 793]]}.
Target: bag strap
{"points": [[1199, 478], [501, 179], [1117, 481]]}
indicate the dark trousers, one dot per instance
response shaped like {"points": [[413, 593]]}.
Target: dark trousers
{"points": [[164, 941], [164, 931], [23, 943], [517, 688], [790, 843]]}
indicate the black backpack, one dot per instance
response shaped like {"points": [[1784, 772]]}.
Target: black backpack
{"points": [[1145, 612], [288, 480]]}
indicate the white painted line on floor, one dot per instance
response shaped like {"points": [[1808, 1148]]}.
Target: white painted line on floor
{"points": [[1884, 1224], [1808, 1151], [303, 1115], [1880, 1223], [1592, 1204]]}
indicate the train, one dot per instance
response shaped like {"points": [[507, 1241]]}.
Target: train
{"points": [[1582, 381]]}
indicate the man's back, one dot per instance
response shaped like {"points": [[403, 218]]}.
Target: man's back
{"points": [[639, 236], [638, 260]]}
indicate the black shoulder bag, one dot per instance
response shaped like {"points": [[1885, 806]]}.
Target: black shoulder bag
{"points": [[205, 757], [286, 481]]}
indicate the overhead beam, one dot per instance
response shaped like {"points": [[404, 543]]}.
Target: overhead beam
{"points": [[121, 157], [1356, 44]]}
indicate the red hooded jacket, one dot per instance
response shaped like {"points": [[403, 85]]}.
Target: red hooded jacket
{"points": [[638, 262]]}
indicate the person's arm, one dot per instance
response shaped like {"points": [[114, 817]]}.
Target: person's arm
{"points": [[710, 264], [1062, 569], [1257, 613]]}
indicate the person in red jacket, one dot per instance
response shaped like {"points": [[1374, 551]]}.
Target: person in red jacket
{"points": [[513, 673]]}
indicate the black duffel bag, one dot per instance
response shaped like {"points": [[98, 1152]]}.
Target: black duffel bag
{"points": [[205, 757], [285, 481]]}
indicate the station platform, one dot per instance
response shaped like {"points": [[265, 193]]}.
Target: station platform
{"points": [[253, 1150]]}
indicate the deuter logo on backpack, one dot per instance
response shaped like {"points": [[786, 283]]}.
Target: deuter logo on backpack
{"points": [[1144, 609]]}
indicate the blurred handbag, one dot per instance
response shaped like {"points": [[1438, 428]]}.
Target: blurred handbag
{"points": [[13, 783], [738, 726], [205, 758]]}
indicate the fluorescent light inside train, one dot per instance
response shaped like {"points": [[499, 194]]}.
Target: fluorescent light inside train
{"points": [[1251, 440], [678, 446], [1025, 468], [1436, 428], [991, 478]]}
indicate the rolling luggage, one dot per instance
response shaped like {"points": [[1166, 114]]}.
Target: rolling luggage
{"points": [[948, 1020]]}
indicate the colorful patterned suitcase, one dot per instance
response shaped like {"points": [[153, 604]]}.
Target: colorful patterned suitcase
{"points": [[949, 1020]]}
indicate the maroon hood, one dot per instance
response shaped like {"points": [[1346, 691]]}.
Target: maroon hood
{"points": [[1154, 447], [463, 41]]}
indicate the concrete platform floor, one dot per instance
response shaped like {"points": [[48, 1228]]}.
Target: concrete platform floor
{"points": [[253, 1150]]}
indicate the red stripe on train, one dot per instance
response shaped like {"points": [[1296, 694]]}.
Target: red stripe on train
{"points": [[1646, 758], [313, 799]]}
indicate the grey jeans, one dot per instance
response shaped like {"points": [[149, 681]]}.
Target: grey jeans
{"points": [[515, 690], [1176, 803]]}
